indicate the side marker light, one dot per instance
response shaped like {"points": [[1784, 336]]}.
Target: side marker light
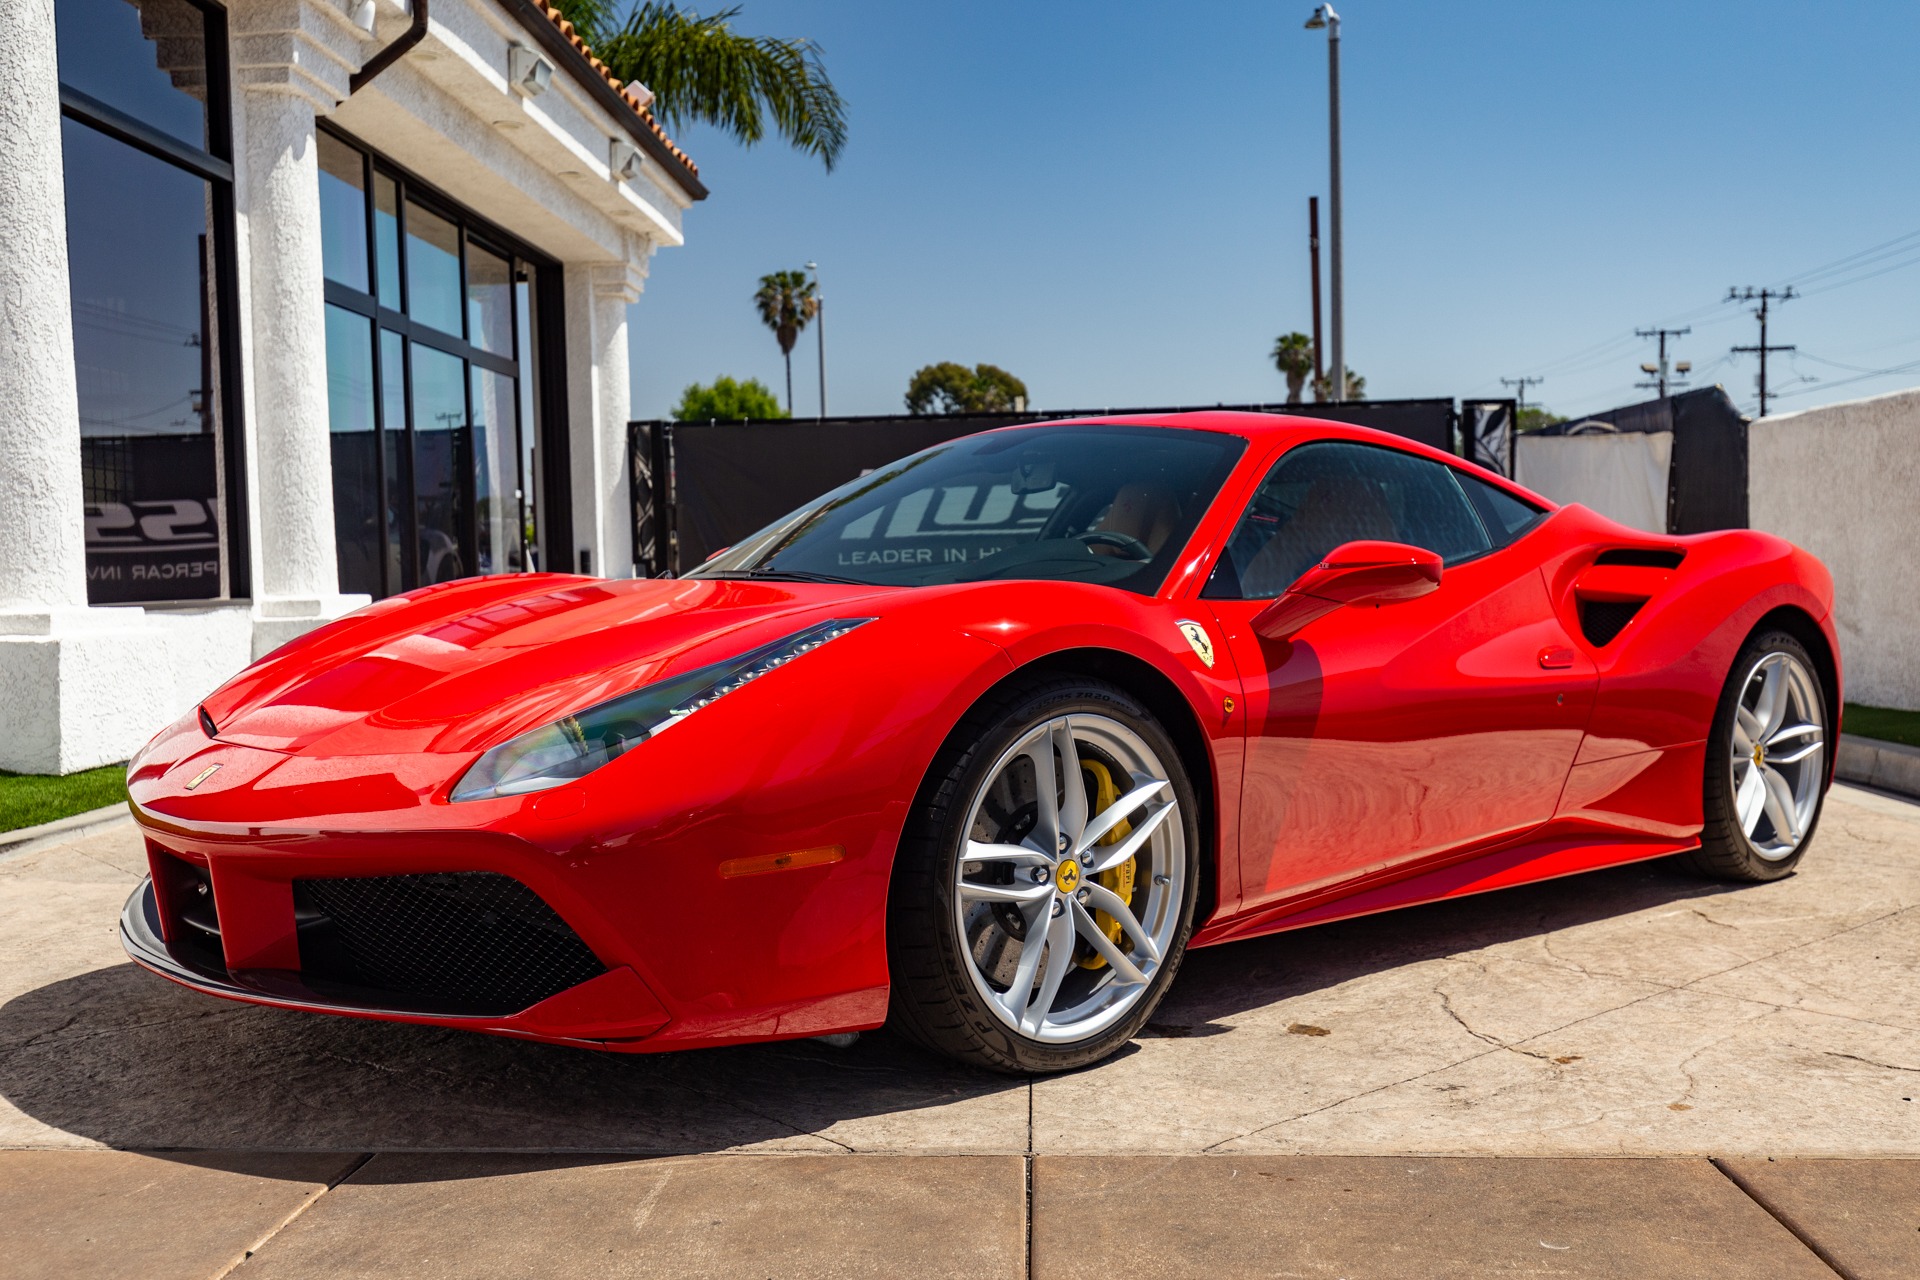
{"points": [[733, 868]]}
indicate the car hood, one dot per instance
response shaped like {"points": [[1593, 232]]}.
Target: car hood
{"points": [[458, 668]]}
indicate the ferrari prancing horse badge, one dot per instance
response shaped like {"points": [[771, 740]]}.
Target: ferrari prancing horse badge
{"points": [[1197, 637]]}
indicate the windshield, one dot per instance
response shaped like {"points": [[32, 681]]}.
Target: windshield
{"points": [[1095, 503]]}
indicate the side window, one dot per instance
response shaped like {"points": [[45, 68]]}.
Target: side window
{"points": [[1322, 495], [1505, 516]]}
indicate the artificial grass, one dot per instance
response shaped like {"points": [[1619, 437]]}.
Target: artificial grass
{"points": [[28, 799], [1883, 723]]}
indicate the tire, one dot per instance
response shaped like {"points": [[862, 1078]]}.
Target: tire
{"points": [[1762, 802], [972, 881]]}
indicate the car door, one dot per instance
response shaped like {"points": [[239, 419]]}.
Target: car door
{"points": [[1381, 735]]}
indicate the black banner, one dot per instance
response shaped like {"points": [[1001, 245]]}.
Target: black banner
{"points": [[701, 486]]}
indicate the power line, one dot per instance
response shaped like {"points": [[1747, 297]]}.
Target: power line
{"points": [[1764, 296]]}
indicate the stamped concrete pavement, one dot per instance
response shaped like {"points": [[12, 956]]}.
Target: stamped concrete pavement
{"points": [[1637, 1012]]}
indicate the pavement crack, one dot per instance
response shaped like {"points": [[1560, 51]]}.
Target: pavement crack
{"points": [[1446, 1002], [1885, 1066]]}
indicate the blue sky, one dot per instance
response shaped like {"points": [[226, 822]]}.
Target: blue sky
{"points": [[1109, 200]]}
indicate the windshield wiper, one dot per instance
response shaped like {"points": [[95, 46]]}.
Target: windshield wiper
{"points": [[800, 575]]}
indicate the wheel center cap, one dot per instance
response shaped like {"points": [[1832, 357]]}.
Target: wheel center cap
{"points": [[1759, 753], [1066, 876]]}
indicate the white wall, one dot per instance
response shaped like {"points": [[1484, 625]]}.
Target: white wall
{"points": [[1622, 476], [1843, 481]]}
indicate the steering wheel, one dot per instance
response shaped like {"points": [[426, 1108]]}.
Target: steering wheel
{"points": [[1126, 544]]}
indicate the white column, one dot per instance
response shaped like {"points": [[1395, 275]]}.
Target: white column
{"points": [[73, 689], [292, 62], [599, 405], [42, 548]]}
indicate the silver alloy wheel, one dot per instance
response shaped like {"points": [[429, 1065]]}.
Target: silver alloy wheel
{"points": [[1779, 754], [1029, 884]]}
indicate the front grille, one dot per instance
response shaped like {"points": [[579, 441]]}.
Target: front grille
{"points": [[1602, 620], [468, 942]]}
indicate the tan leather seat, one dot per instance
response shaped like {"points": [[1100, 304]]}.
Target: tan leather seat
{"points": [[1142, 511], [1337, 509]]}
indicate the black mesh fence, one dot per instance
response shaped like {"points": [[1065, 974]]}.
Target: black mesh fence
{"points": [[701, 486]]}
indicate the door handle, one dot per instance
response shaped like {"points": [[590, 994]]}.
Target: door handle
{"points": [[1556, 657]]}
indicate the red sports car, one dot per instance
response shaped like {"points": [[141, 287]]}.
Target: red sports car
{"points": [[980, 744]]}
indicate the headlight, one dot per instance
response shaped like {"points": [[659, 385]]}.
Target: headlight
{"points": [[582, 742]]}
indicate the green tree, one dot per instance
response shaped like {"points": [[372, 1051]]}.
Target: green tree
{"points": [[948, 387], [700, 69], [1356, 387], [727, 401], [1293, 357], [786, 303], [1534, 417]]}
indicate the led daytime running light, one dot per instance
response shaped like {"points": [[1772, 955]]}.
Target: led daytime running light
{"points": [[576, 745]]}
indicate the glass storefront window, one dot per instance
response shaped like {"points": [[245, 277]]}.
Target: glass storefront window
{"points": [[489, 301], [430, 352], [148, 60], [433, 270], [359, 536], [343, 213], [149, 227], [386, 234]]}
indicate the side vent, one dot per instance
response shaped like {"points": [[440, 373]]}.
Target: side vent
{"points": [[1602, 620], [206, 724], [1642, 557]]}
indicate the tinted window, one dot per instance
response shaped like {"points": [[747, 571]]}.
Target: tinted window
{"points": [[1112, 505], [1321, 495], [1505, 516], [147, 59]]}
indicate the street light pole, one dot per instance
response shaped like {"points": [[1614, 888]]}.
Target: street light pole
{"points": [[820, 332], [1324, 16]]}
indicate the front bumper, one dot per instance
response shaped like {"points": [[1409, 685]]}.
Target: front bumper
{"points": [[606, 1011]]}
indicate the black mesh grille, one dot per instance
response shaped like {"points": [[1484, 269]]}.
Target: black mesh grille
{"points": [[1602, 620], [456, 941]]}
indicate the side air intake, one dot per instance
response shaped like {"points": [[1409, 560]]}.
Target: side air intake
{"points": [[1601, 621]]}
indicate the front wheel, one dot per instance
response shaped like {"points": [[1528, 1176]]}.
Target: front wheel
{"points": [[1044, 891], [1766, 763]]}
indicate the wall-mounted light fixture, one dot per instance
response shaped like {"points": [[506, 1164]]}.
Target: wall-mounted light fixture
{"points": [[623, 159], [528, 74]]}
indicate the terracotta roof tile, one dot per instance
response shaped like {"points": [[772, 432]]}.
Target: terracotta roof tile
{"points": [[573, 38]]}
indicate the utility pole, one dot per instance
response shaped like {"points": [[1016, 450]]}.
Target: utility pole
{"points": [[820, 332], [1520, 399], [1313, 250], [1325, 17], [1659, 371], [1763, 296]]}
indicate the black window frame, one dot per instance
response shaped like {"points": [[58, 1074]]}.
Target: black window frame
{"points": [[213, 165], [547, 351]]}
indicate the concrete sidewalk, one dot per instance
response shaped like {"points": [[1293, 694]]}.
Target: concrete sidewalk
{"points": [[1764, 1039], [344, 1217]]}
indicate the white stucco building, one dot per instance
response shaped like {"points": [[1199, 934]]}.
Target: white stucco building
{"points": [[301, 302]]}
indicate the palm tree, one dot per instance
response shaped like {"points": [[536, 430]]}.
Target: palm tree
{"points": [[700, 70], [1293, 356], [786, 303], [1356, 387]]}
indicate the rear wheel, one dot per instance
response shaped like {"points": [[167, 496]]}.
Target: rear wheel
{"points": [[1044, 891], [1766, 763]]}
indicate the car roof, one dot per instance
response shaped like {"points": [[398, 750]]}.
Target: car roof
{"points": [[1289, 428]]}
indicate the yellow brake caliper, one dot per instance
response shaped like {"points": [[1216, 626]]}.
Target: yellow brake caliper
{"points": [[1120, 880]]}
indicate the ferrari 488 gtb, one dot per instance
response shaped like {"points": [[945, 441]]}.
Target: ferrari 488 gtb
{"points": [[980, 743]]}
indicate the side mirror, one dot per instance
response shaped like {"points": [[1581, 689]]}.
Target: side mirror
{"points": [[1353, 573]]}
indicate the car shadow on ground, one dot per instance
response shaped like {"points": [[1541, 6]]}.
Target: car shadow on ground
{"points": [[124, 1058]]}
